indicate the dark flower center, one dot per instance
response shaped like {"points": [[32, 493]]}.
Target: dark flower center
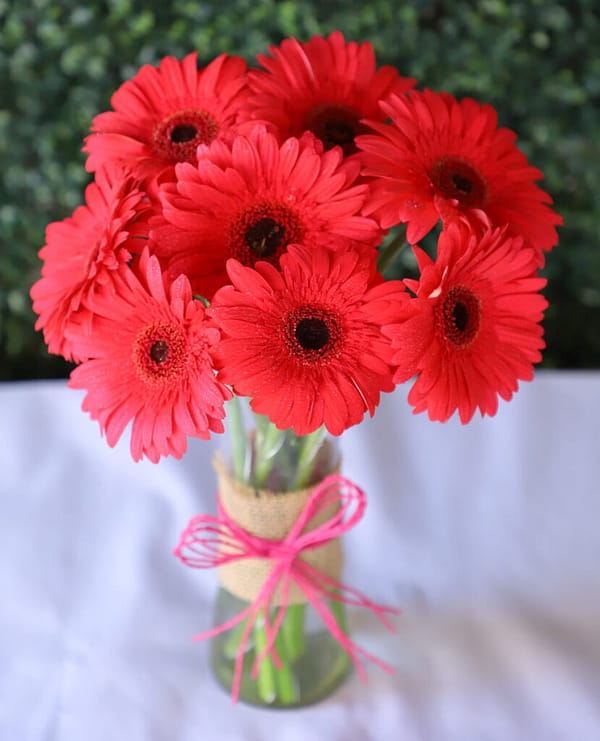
{"points": [[335, 125], [312, 333], [456, 178], [160, 353], [262, 232], [265, 236], [461, 316], [176, 138], [461, 183], [183, 133]]}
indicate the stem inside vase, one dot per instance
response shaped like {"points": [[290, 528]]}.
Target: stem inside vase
{"points": [[266, 458]]}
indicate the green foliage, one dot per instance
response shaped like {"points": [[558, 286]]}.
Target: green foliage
{"points": [[535, 60]]}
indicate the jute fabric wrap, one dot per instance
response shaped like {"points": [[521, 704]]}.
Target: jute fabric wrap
{"points": [[270, 515]]}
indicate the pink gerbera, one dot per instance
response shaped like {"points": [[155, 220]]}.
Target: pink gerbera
{"points": [[162, 114], [151, 363], [477, 330], [326, 85], [306, 343], [250, 199], [444, 159], [85, 252]]}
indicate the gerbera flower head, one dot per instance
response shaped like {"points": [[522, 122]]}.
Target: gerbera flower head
{"points": [[477, 331], [250, 199], [305, 343], [164, 113], [85, 252], [150, 363], [445, 159], [326, 85]]}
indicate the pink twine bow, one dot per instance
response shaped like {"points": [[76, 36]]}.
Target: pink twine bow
{"points": [[212, 541]]}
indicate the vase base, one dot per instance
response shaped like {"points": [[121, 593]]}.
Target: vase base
{"points": [[319, 672], [313, 662]]}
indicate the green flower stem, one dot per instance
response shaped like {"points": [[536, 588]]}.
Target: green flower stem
{"points": [[274, 685], [293, 625], [231, 646], [292, 631], [279, 685], [287, 691], [267, 681], [390, 252], [239, 445], [266, 447], [310, 445], [261, 424], [292, 628]]}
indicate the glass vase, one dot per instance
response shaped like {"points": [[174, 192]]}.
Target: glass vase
{"points": [[264, 483]]}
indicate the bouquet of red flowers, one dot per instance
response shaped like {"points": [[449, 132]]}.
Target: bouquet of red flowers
{"points": [[235, 240]]}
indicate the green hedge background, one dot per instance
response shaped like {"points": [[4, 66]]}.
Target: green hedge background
{"points": [[537, 61]]}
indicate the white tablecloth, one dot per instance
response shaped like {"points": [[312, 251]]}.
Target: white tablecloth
{"points": [[488, 537]]}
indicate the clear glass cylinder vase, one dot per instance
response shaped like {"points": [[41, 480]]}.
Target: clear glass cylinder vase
{"points": [[270, 474]]}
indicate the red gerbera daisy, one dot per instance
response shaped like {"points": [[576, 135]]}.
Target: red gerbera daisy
{"points": [[306, 343], [83, 254], [478, 328], [447, 159], [326, 86], [251, 199], [162, 114], [151, 362]]}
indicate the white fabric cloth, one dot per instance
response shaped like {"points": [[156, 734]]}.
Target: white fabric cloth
{"points": [[487, 536]]}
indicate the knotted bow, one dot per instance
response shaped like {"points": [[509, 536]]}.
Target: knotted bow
{"points": [[212, 541]]}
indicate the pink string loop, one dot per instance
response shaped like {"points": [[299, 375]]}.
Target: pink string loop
{"points": [[212, 541]]}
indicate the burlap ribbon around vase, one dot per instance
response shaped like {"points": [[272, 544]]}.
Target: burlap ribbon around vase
{"points": [[270, 515]]}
